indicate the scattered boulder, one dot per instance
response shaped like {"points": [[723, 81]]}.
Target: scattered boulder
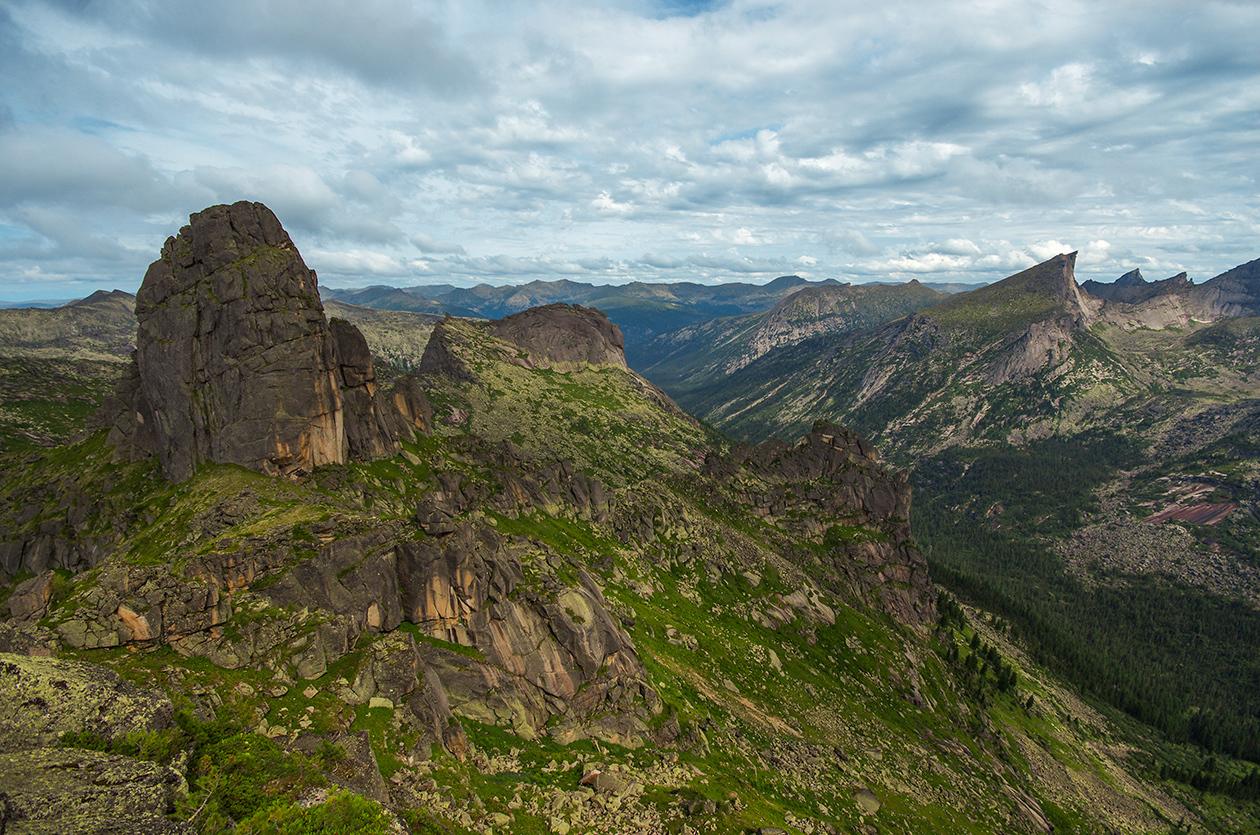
{"points": [[29, 599], [868, 803]]}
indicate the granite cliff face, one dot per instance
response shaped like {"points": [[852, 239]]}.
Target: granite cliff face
{"points": [[236, 363]]}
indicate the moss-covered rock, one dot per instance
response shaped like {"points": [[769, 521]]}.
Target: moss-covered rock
{"points": [[41, 699], [64, 790]]}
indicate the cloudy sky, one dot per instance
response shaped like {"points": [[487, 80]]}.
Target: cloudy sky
{"points": [[409, 142]]}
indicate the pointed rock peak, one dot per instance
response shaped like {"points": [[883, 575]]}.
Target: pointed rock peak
{"points": [[1132, 277], [1057, 276], [236, 363], [1069, 264]]}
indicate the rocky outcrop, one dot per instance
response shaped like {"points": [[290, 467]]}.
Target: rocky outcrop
{"points": [[373, 424], [1132, 288], [546, 649], [234, 359], [46, 787], [564, 335], [29, 599], [412, 405], [830, 488], [67, 790], [1042, 345], [236, 363], [538, 649], [143, 605]]}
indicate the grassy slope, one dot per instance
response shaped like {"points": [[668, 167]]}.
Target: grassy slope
{"points": [[1176, 390]]}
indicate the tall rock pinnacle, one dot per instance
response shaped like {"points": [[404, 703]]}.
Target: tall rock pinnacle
{"points": [[236, 363]]}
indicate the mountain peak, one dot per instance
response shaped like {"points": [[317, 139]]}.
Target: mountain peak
{"points": [[564, 334], [103, 297], [1133, 288], [785, 281], [1055, 277]]}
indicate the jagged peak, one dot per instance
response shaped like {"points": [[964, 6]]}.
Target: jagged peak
{"points": [[1055, 276], [1132, 277]]}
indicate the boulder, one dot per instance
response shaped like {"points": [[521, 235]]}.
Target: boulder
{"points": [[66, 790], [29, 599]]}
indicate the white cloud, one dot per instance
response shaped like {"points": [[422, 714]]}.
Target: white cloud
{"points": [[605, 203], [1045, 250], [1067, 85], [569, 138]]}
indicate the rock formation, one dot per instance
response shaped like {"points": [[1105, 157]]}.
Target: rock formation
{"points": [[831, 476], [560, 335], [236, 363], [1132, 288]]}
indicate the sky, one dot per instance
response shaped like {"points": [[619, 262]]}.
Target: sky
{"points": [[408, 143]]}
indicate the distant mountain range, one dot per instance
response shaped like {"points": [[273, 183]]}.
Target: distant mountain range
{"points": [[934, 379], [643, 310], [695, 356]]}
